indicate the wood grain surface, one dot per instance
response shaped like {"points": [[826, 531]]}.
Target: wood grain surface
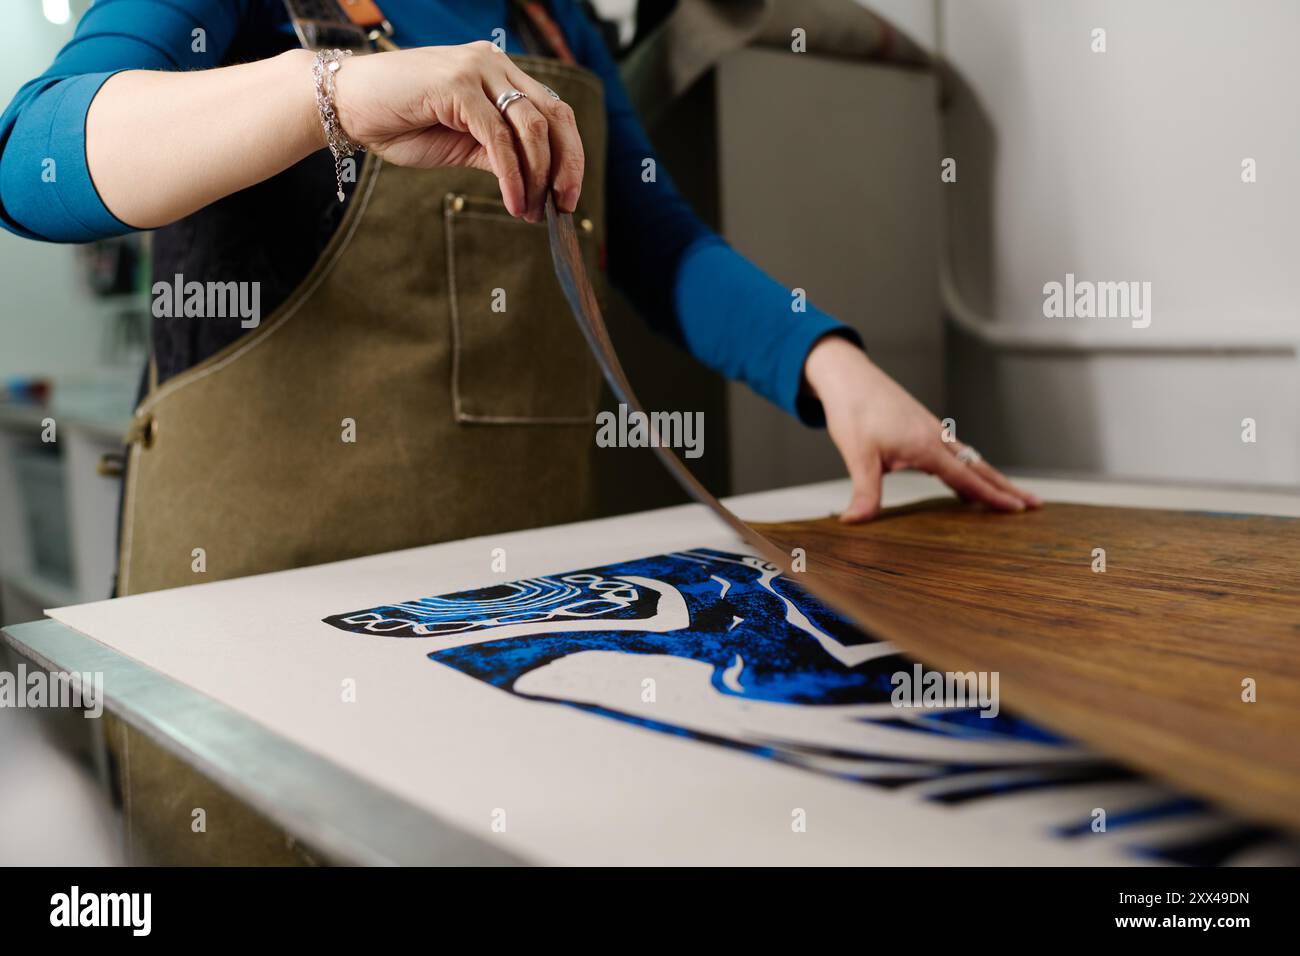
{"points": [[1144, 662]]}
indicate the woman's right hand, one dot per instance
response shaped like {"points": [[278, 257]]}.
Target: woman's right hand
{"points": [[436, 106]]}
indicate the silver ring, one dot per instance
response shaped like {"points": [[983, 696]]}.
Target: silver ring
{"points": [[968, 455], [554, 95], [508, 97]]}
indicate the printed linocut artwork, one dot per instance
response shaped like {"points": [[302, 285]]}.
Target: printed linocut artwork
{"points": [[722, 650]]}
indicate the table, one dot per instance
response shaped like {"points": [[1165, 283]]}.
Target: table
{"points": [[322, 796]]}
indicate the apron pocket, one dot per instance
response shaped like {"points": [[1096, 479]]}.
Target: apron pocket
{"points": [[518, 355]]}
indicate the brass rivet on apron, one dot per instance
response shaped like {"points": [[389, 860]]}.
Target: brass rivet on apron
{"points": [[587, 225], [458, 203], [143, 430]]}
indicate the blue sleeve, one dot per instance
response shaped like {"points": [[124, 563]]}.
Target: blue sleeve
{"points": [[682, 277], [45, 187]]}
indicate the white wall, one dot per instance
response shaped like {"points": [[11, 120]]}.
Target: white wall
{"points": [[916, 18], [1126, 165]]}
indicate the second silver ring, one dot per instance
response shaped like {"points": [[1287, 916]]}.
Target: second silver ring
{"points": [[508, 97]]}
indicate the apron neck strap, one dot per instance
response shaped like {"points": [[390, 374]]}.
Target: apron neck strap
{"points": [[538, 31], [356, 24], [348, 24]]}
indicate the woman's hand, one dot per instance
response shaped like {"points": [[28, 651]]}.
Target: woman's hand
{"points": [[878, 427], [436, 106]]}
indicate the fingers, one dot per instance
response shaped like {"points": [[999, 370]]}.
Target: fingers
{"points": [[968, 482], [974, 481], [865, 471], [568, 162], [1003, 483], [491, 130], [533, 134]]}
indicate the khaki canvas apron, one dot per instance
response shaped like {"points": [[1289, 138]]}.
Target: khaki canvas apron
{"points": [[432, 332], [425, 383]]}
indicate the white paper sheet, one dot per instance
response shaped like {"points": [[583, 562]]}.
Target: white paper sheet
{"points": [[574, 786]]}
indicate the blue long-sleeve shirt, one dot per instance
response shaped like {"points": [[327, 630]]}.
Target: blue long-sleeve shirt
{"points": [[682, 277]]}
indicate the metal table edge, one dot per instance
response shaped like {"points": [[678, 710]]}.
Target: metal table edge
{"points": [[326, 807]]}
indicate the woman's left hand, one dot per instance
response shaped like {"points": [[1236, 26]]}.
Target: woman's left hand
{"points": [[878, 427]]}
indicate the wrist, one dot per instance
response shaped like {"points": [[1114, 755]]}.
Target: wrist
{"points": [[296, 66], [833, 365]]}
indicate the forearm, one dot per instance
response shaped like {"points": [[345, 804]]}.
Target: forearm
{"points": [[682, 277], [741, 322], [160, 145]]}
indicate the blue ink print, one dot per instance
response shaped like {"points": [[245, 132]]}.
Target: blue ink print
{"points": [[720, 649]]}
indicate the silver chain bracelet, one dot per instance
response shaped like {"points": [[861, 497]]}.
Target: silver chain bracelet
{"points": [[327, 63]]}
